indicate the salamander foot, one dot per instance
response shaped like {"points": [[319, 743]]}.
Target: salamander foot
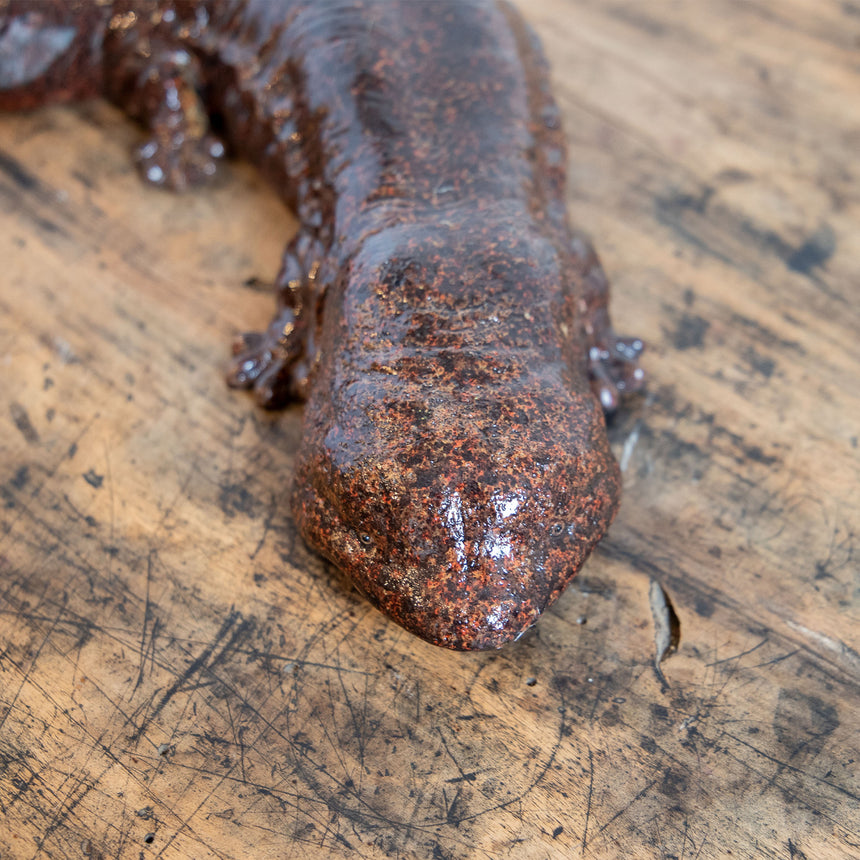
{"points": [[269, 362], [614, 370]]}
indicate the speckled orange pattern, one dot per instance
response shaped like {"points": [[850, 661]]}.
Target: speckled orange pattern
{"points": [[448, 330]]}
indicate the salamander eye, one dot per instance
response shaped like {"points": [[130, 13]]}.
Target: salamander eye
{"points": [[556, 530]]}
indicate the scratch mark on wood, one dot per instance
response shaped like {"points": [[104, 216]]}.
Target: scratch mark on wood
{"points": [[200, 663], [735, 657], [642, 792], [147, 614], [588, 799]]}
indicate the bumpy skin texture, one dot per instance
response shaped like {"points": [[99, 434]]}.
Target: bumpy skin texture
{"points": [[448, 330]]}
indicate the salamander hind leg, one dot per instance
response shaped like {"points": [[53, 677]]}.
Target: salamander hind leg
{"points": [[276, 363], [613, 361]]}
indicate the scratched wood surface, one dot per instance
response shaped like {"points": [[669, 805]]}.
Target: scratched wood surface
{"points": [[181, 677]]}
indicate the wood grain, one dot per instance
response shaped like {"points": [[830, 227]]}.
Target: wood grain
{"points": [[181, 677]]}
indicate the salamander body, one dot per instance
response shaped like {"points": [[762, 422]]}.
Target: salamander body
{"points": [[447, 328]]}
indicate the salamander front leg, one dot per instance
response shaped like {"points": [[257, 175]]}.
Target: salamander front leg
{"points": [[276, 363], [614, 370], [613, 361], [161, 90]]}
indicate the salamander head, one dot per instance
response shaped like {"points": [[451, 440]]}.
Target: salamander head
{"points": [[466, 523], [49, 51]]}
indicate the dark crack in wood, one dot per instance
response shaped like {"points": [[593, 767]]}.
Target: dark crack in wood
{"points": [[667, 627]]}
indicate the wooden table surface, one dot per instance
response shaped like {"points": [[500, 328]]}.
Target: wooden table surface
{"points": [[181, 677]]}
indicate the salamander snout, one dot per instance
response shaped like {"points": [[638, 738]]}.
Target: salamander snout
{"points": [[470, 559], [477, 569]]}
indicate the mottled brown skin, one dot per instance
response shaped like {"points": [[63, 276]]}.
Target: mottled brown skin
{"points": [[449, 332]]}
